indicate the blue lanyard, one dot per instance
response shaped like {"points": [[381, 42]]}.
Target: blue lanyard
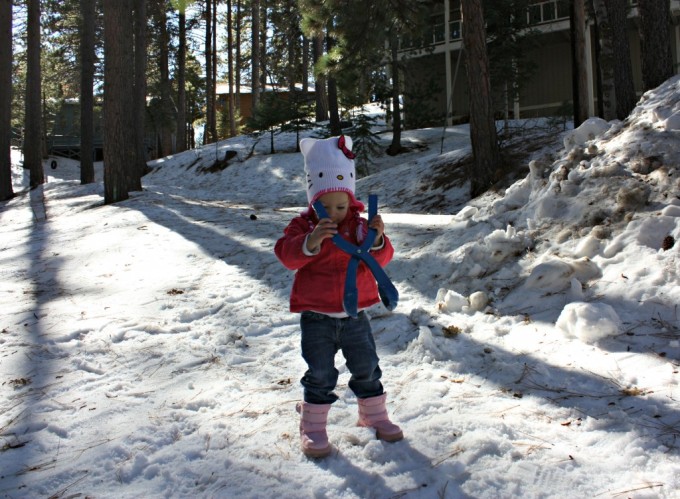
{"points": [[388, 293]]}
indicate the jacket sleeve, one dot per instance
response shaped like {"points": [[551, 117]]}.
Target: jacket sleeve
{"points": [[384, 255], [288, 249]]}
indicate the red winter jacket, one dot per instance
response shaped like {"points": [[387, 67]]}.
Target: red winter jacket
{"points": [[319, 282]]}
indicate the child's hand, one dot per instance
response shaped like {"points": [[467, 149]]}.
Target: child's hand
{"points": [[324, 229], [379, 226]]}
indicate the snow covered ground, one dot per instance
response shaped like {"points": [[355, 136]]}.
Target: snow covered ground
{"points": [[147, 350]]}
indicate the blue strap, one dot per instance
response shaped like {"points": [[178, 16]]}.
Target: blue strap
{"points": [[388, 293]]}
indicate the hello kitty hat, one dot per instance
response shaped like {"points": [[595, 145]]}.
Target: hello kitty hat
{"points": [[329, 165]]}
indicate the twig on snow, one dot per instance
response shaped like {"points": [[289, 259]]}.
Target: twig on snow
{"points": [[636, 489]]}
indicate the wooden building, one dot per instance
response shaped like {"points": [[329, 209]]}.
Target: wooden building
{"points": [[434, 62]]}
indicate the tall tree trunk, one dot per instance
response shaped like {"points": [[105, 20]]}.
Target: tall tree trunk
{"points": [[305, 67], [119, 140], [655, 41], [333, 111], [598, 74], [395, 146], [87, 39], [230, 69], [263, 45], [482, 124], [169, 111], [239, 23], [181, 84], [617, 11], [33, 135], [606, 60], [255, 72], [213, 95], [208, 136], [138, 166], [579, 61], [6, 191], [293, 48], [321, 109]]}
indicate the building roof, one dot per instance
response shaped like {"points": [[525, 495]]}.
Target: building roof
{"points": [[223, 88]]}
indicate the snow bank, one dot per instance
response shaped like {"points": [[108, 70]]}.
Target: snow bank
{"points": [[589, 130], [556, 274]]}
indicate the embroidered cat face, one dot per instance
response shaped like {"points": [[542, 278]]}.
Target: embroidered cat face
{"points": [[329, 166]]}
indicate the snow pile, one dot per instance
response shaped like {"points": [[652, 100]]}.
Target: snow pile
{"points": [[556, 275], [613, 190], [450, 301], [588, 131], [589, 322]]}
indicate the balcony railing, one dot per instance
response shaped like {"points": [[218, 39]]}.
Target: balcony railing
{"points": [[537, 13], [434, 35], [546, 12]]}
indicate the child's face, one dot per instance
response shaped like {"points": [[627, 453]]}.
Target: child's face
{"points": [[336, 205]]}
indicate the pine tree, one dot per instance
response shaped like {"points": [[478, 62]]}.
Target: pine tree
{"points": [[617, 11], [87, 55], [209, 135], [616, 76], [366, 144], [255, 54], [168, 123], [359, 31], [655, 41], [271, 112], [298, 118], [33, 146], [6, 191], [230, 70], [578, 51], [483, 134], [138, 167], [118, 100], [181, 6]]}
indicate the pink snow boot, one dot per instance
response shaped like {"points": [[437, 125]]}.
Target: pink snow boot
{"points": [[372, 413], [313, 437]]}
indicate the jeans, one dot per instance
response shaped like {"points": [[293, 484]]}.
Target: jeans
{"points": [[322, 337]]}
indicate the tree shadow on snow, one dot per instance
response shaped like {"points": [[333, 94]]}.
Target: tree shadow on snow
{"points": [[400, 459], [24, 426], [615, 406], [222, 230]]}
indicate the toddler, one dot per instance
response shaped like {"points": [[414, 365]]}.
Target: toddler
{"points": [[317, 294]]}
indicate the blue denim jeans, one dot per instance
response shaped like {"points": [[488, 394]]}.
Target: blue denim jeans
{"points": [[322, 337]]}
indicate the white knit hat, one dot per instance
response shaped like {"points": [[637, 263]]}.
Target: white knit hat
{"points": [[329, 165]]}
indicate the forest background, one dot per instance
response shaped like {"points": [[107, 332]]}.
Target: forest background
{"points": [[137, 60]]}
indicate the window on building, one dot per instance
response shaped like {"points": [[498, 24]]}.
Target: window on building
{"points": [[438, 33], [455, 21], [456, 30], [545, 12]]}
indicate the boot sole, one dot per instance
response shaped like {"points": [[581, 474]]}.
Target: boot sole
{"points": [[317, 453], [390, 438]]}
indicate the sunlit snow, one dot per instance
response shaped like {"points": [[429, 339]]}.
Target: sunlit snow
{"points": [[147, 350]]}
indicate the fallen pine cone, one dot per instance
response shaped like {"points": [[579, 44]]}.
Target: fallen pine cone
{"points": [[668, 243]]}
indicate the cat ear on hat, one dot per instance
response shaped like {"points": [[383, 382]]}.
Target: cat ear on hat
{"points": [[306, 145]]}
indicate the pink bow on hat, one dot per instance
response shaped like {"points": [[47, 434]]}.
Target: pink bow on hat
{"points": [[341, 145]]}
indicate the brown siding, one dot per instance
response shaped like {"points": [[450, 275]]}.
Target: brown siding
{"points": [[550, 86], [547, 90]]}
